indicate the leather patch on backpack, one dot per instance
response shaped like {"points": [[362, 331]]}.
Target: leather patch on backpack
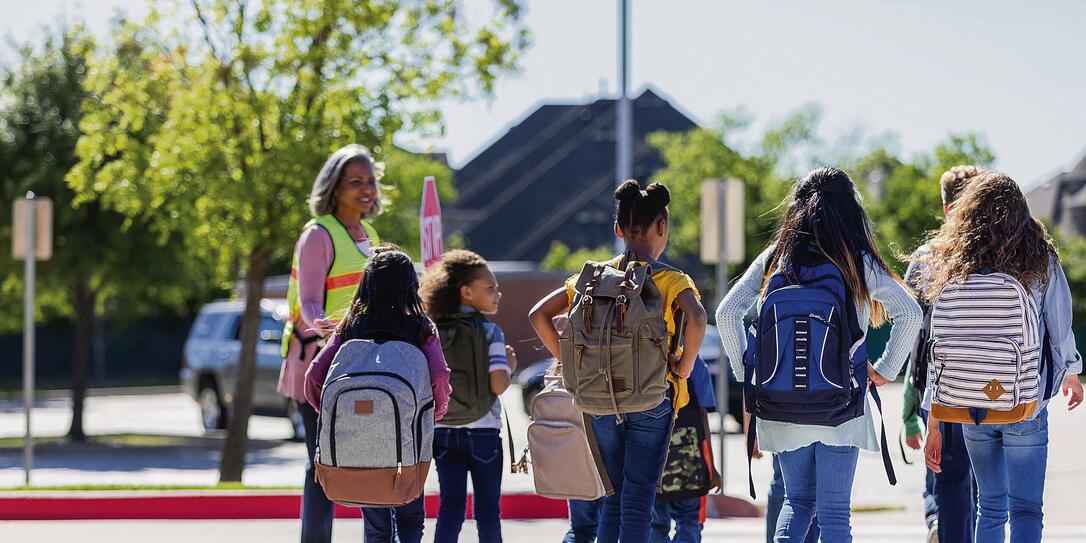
{"points": [[994, 390], [620, 384], [363, 407]]}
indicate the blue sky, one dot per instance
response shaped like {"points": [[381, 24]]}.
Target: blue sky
{"points": [[917, 70]]}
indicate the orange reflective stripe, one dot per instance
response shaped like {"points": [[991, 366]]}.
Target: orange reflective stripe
{"points": [[294, 273], [342, 281]]}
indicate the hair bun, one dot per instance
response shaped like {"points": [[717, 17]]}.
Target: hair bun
{"points": [[658, 194], [628, 190]]}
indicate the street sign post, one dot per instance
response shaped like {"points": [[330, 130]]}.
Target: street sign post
{"points": [[430, 223], [722, 243], [32, 240]]}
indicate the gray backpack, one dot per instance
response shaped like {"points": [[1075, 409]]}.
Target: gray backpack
{"points": [[615, 347], [376, 426]]}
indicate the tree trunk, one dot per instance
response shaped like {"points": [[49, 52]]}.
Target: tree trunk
{"points": [[237, 431], [83, 300]]}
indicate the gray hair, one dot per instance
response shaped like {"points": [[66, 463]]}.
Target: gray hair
{"points": [[322, 199]]}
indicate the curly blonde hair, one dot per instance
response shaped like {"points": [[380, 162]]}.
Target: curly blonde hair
{"points": [[989, 229], [953, 181]]}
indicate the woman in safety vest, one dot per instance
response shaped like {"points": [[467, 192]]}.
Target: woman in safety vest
{"points": [[328, 260]]}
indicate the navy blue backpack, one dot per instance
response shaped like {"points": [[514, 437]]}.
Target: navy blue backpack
{"points": [[806, 357]]}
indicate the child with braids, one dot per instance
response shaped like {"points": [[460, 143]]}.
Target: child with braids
{"points": [[633, 445], [387, 307], [458, 293]]}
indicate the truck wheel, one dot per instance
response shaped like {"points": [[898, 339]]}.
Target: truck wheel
{"points": [[212, 412]]}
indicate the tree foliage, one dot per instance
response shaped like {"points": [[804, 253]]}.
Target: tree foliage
{"points": [[560, 258], [765, 169], [101, 260], [211, 118]]}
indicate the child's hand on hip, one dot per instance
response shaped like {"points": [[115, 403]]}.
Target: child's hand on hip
{"points": [[875, 377]]}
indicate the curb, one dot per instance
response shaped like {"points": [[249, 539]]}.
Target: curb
{"points": [[221, 506]]}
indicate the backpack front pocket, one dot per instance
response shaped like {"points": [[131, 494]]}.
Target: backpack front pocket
{"points": [[984, 372]]}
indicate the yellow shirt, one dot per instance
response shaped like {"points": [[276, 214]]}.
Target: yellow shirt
{"points": [[671, 283]]}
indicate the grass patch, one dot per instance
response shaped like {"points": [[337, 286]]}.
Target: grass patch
{"points": [[92, 488], [111, 440], [877, 509]]}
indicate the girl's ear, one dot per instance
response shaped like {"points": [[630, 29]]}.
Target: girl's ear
{"points": [[618, 231], [661, 226], [465, 292]]}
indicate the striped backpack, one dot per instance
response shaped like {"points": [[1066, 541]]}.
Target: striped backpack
{"points": [[985, 351]]}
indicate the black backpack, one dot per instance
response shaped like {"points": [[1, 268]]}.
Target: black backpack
{"points": [[464, 342]]}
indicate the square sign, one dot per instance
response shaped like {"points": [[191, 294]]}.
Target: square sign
{"points": [[722, 221], [433, 245], [43, 228]]}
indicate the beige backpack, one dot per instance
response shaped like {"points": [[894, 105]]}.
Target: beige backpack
{"points": [[563, 463], [614, 349]]}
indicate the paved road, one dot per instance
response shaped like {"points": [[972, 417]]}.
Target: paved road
{"points": [[275, 462]]}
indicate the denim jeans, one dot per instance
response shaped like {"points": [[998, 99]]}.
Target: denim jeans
{"points": [[950, 497], [458, 452], [817, 481], [317, 510], [774, 503], [633, 454], [688, 521], [401, 524], [1000, 451], [584, 519]]}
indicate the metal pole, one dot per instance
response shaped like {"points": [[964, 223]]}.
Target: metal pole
{"points": [[624, 115], [722, 289], [28, 333]]}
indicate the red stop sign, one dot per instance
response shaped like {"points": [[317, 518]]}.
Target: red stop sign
{"points": [[430, 223]]}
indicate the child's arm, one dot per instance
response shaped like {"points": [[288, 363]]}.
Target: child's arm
{"points": [[439, 374], [542, 318], [318, 371], [503, 360], [696, 320]]}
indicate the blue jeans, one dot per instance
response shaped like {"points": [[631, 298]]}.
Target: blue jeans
{"points": [[401, 524], [1002, 451], [774, 503], [817, 480], [687, 516], [584, 519], [317, 510], [633, 454], [458, 452], [950, 497]]}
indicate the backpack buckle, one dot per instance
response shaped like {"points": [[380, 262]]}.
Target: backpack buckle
{"points": [[588, 304], [621, 302]]}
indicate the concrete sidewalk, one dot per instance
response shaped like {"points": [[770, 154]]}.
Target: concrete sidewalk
{"points": [[272, 461], [867, 528]]}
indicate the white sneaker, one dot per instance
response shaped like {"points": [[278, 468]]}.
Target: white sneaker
{"points": [[933, 533]]}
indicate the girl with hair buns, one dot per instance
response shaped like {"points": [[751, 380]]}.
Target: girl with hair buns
{"points": [[633, 446]]}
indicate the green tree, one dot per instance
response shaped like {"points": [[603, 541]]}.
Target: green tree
{"points": [[402, 186], [94, 248], [220, 137], [764, 168], [903, 197], [560, 258]]}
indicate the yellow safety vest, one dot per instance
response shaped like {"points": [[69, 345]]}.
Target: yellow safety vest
{"points": [[343, 277]]}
